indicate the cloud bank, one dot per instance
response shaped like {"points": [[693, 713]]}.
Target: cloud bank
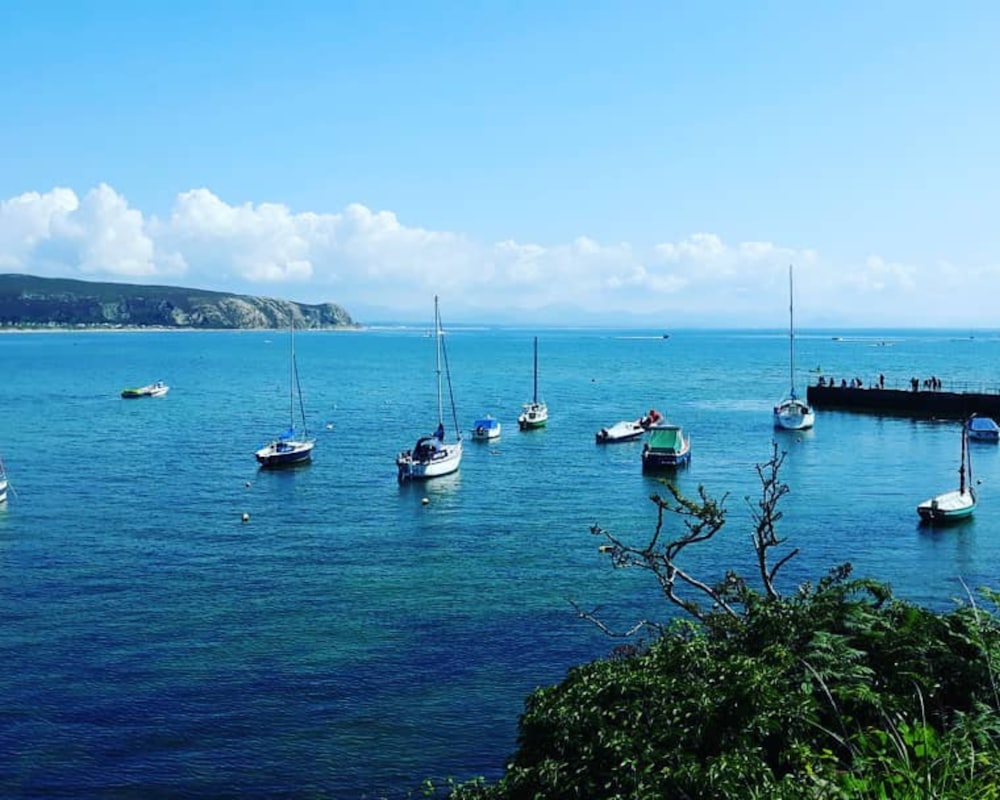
{"points": [[371, 263]]}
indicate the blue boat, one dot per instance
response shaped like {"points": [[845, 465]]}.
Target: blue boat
{"points": [[982, 429], [486, 427]]}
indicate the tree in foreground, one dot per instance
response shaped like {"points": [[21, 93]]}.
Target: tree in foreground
{"points": [[837, 690]]}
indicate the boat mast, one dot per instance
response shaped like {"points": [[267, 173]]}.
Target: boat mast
{"points": [[961, 467], [291, 369], [437, 342], [535, 400], [791, 333]]}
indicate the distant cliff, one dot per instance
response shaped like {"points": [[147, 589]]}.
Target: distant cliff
{"points": [[27, 301]]}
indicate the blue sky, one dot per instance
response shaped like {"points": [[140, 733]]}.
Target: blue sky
{"points": [[619, 162]]}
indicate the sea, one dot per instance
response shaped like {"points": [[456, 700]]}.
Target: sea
{"points": [[175, 622]]}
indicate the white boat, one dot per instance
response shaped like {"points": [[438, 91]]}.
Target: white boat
{"points": [[432, 456], [289, 449], [536, 413], [624, 431], [157, 389], [982, 429], [792, 413], [957, 504], [486, 427], [627, 430], [3, 482]]}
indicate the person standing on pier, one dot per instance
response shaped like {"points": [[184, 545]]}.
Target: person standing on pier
{"points": [[881, 381]]}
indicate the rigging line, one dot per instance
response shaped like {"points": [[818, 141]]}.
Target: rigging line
{"points": [[451, 394]]}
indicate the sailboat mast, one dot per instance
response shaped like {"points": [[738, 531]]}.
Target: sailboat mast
{"points": [[961, 467], [291, 369], [437, 342], [791, 332], [535, 395]]}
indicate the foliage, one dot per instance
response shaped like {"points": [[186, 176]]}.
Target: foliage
{"points": [[839, 690]]}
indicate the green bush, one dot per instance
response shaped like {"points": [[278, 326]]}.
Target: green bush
{"points": [[838, 691]]}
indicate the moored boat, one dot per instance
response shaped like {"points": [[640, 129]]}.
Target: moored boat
{"points": [[157, 389], [289, 449], [432, 456], [624, 431], [959, 503], [536, 413], [792, 412], [628, 430], [486, 427], [982, 429], [667, 447]]}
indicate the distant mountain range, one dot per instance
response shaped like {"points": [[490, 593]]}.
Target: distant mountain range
{"points": [[27, 301]]}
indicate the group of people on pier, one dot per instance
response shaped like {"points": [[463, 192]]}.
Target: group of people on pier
{"points": [[854, 383], [931, 384]]}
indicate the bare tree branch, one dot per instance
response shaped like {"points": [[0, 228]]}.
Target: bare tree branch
{"points": [[700, 520]]}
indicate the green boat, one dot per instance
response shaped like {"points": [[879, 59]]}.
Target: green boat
{"points": [[157, 389], [534, 414]]}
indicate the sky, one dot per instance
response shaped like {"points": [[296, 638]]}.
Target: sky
{"points": [[587, 162]]}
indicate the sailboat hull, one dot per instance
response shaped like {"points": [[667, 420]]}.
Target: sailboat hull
{"points": [[534, 415], [419, 464], [793, 415], [948, 506], [284, 453]]}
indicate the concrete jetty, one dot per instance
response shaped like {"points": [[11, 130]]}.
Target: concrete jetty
{"points": [[922, 402]]}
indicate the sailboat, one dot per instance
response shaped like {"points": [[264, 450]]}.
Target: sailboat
{"points": [[432, 456], [289, 449], [792, 413], [957, 504], [534, 414], [3, 482]]}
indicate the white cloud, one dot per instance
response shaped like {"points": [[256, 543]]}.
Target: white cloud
{"points": [[365, 258]]}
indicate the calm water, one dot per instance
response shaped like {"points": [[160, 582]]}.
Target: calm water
{"points": [[349, 640]]}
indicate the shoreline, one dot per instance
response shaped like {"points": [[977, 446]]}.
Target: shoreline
{"points": [[168, 329]]}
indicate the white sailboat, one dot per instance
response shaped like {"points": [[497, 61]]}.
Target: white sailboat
{"points": [[957, 504], [792, 412], [432, 456], [536, 413], [3, 482], [289, 449]]}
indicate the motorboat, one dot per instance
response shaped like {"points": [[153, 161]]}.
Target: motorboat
{"points": [[157, 389], [624, 431], [667, 447], [628, 430], [486, 427], [982, 429]]}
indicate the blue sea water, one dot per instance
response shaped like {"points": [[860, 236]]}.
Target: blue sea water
{"points": [[349, 640]]}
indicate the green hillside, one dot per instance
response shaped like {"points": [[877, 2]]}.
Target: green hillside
{"points": [[28, 301]]}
